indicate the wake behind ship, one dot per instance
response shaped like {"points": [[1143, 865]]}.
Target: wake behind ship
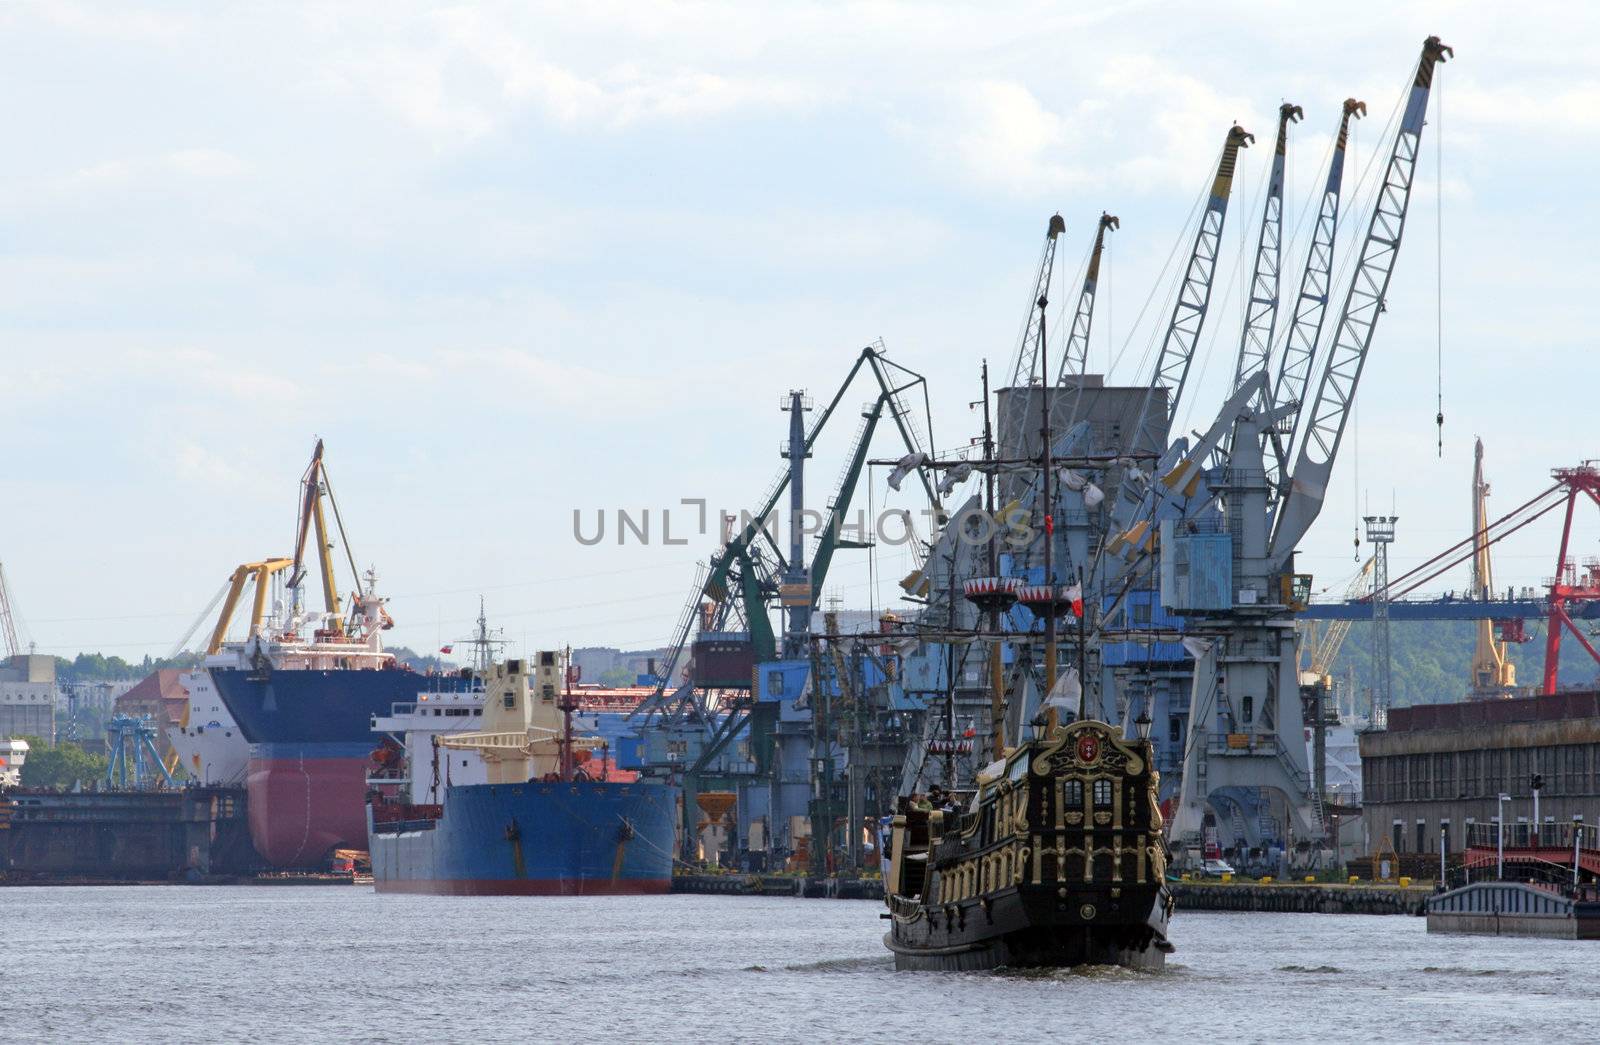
{"points": [[544, 823]]}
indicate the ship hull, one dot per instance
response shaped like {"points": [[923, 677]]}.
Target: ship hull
{"points": [[310, 735], [578, 838], [1030, 928], [306, 800], [210, 746]]}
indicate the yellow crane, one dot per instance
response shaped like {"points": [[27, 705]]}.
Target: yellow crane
{"points": [[1326, 647], [315, 488], [1493, 674], [312, 517], [262, 573]]}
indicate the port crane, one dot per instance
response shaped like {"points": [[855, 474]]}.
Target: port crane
{"points": [[1151, 426], [1026, 362], [752, 573], [1246, 721], [1493, 674], [1326, 649], [261, 573], [1075, 356], [1325, 417], [1261, 310], [1194, 298], [751, 569], [1310, 306], [8, 621], [315, 489]]}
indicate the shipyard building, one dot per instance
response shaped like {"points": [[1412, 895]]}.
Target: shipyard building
{"points": [[28, 697], [1440, 768]]}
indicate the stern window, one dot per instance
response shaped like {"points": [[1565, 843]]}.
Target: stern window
{"points": [[1102, 794]]}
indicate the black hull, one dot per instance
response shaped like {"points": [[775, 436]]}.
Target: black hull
{"points": [[1033, 928]]}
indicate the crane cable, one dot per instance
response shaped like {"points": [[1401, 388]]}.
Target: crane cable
{"points": [[1438, 257]]}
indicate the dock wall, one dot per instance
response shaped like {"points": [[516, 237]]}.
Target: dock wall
{"points": [[1300, 898], [113, 836], [779, 885]]}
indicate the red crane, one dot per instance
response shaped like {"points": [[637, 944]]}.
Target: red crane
{"points": [[1568, 585]]}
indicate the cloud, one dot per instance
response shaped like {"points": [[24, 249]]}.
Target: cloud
{"points": [[1541, 107], [551, 381], [116, 21], [1130, 122], [193, 163], [460, 74], [1006, 136], [197, 464], [206, 371]]}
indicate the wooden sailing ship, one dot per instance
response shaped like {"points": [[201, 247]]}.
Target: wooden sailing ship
{"points": [[1056, 856], [1058, 860]]}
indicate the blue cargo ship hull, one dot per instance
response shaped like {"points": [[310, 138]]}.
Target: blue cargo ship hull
{"points": [[571, 838], [310, 735], [303, 706]]}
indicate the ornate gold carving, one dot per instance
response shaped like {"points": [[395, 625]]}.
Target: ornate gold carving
{"points": [[1112, 754]]}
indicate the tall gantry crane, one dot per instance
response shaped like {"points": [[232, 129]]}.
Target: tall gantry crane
{"points": [[1311, 304], [1326, 650], [1194, 298], [748, 572], [1025, 364], [1246, 724], [1324, 419], [1075, 357], [1493, 673], [1261, 311], [8, 621], [1027, 358], [1182, 337]]}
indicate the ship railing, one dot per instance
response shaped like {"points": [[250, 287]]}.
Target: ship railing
{"points": [[499, 741]]}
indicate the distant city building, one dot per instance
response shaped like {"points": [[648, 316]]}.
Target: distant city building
{"points": [[28, 697], [159, 696], [13, 753], [1439, 768], [594, 661]]}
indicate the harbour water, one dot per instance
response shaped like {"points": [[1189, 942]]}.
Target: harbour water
{"points": [[257, 964]]}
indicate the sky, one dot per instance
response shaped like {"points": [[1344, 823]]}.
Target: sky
{"points": [[516, 260]]}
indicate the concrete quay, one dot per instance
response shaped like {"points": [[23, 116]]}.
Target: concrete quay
{"points": [[1301, 897]]}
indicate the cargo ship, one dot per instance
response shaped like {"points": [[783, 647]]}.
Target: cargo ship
{"points": [[309, 727], [210, 747], [287, 712], [304, 686], [549, 817]]}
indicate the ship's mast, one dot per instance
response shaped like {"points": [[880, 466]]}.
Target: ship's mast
{"points": [[950, 686], [567, 706], [1049, 505], [997, 708], [483, 644]]}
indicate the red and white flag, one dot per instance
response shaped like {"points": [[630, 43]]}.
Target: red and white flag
{"points": [[446, 649], [1075, 593]]}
